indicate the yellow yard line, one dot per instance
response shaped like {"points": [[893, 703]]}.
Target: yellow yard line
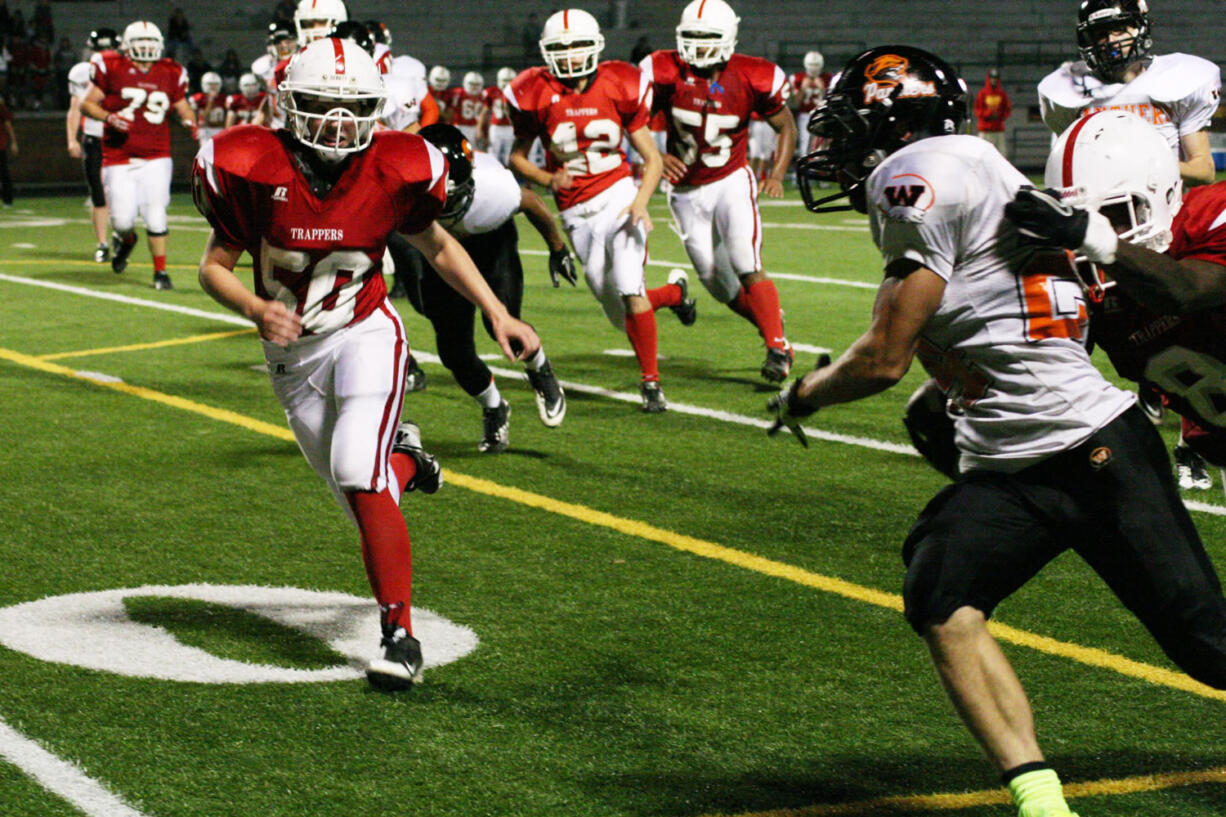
{"points": [[138, 347], [1090, 656], [94, 265], [909, 804]]}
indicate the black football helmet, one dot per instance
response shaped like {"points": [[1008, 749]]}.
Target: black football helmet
{"points": [[459, 156], [356, 32], [380, 32], [1096, 19], [281, 42], [103, 39], [885, 98]]}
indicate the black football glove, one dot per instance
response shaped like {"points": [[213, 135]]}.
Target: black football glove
{"points": [[932, 429], [1041, 217], [561, 265], [789, 410]]}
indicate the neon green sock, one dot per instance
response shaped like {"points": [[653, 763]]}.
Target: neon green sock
{"points": [[1039, 794]]}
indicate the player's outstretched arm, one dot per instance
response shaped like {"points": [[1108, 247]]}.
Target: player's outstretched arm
{"points": [[1165, 283], [561, 265], [450, 260], [784, 124], [273, 318], [1197, 165]]}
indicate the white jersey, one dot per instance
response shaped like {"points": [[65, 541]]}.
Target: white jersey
{"points": [[496, 198], [78, 86], [1006, 342], [406, 88], [1178, 94], [264, 67]]}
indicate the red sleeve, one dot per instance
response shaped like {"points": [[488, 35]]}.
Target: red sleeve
{"points": [[222, 188], [521, 103], [1199, 230], [771, 87], [632, 96], [414, 173]]}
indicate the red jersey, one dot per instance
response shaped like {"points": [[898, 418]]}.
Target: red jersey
{"points": [[143, 97], [1183, 355], [708, 120], [808, 91], [492, 98], [581, 130], [244, 107], [463, 107], [322, 256], [210, 113]]}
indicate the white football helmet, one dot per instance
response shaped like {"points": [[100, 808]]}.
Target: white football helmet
{"points": [[571, 43], [706, 35], [505, 77], [1116, 160], [333, 95], [473, 83], [439, 78], [313, 19], [142, 42], [814, 63], [210, 83], [248, 85]]}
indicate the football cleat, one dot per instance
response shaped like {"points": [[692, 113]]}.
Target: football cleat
{"points": [[1152, 403], [401, 664], [102, 253], [550, 400], [653, 397], [1191, 470], [778, 364], [429, 476], [120, 250], [496, 429], [414, 376], [162, 281], [687, 310]]}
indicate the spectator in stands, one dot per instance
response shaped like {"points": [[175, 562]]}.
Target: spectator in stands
{"points": [[178, 33], [17, 25], [64, 58], [230, 70], [19, 69], [41, 24], [6, 20], [40, 72], [197, 66], [992, 108], [6, 57], [8, 145]]}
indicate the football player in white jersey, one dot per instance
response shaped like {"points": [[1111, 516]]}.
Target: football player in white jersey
{"points": [[1177, 93], [483, 197], [88, 146], [1053, 456]]}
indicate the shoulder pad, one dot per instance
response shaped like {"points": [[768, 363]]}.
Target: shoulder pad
{"points": [[406, 157], [245, 150], [929, 176], [525, 90], [1178, 76]]}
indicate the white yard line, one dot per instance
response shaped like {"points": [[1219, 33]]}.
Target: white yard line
{"points": [[61, 777], [581, 388]]}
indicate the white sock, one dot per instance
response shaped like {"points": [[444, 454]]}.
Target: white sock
{"points": [[538, 360], [491, 397]]}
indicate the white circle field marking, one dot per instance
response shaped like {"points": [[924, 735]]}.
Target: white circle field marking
{"points": [[92, 630]]}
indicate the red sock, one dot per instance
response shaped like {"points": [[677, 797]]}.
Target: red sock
{"points": [[740, 305], [641, 329], [404, 467], [763, 301], [667, 295], [159, 263], [387, 553]]}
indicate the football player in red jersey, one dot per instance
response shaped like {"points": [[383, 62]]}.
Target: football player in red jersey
{"points": [[580, 108], [245, 107], [313, 205], [709, 94], [465, 106], [134, 90], [210, 106], [1162, 324], [494, 127], [808, 93]]}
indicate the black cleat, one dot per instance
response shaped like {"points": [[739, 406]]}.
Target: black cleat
{"points": [[120, 250], [778, 364], [687, 310], [102, 253], [429, 476], [414, 376], [1191, 470], [550, 400], [162, 281], [1152, 403], [496, 431], [653, 397], [401, 664]]}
